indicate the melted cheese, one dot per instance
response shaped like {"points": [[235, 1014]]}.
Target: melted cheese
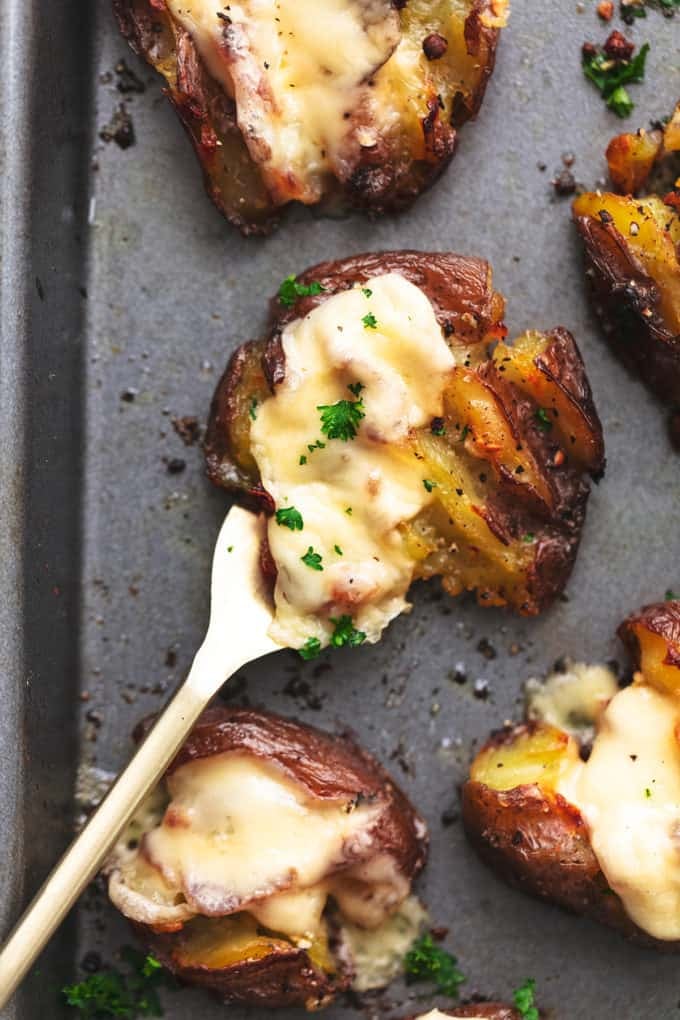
{"points": [[629, 795], [572, 699], [237, 834], [298, 73], [403, 365], [378, 954], [436, 1014]]}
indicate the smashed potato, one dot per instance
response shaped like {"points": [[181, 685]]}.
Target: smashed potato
{"points": [[350, 103], [498, 495]]}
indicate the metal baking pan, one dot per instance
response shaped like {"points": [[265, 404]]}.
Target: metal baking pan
{"points": [[123, 291]]}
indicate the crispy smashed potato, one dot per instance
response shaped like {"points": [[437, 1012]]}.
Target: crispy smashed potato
{"points": [[215, 934], [632, 245], [425, 73], [506, 461], [478, 1010], [526, 829]]}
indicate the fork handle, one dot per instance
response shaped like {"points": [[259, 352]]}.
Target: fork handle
{"points": [[86, 854]]}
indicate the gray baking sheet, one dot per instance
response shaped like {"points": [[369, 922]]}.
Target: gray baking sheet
{"points": [[124, 292]]}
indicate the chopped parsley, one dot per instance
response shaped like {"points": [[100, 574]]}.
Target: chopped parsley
{"points": [[253, 408], [437, 427], [310, 649], [670, 595], [648, 792], [338, 550], [523, 998], [464, 433], [345, 633], [312, 559], [341, 420], [610, 76], [356, 388], [528, 537], [367, 292], [318, 445], [429, 486], [290, 290], [426, 961], [289, 517], [370, 321], [303, 459], [543, 419], [348, 510], [114, 993]]}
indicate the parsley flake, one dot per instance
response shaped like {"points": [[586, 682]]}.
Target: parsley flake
{"points": [[290, 290], [367, 292], [341, 420], [648, 792], [670, 596], [543, 419], [303, 459], [310, 649], [289, 517], [338, 550], [426, 961], [312, 559], [610, 76], [464, 433], [370, 321], [356, 388], [429, 485], [348, 510], [345, 633], [523, 998], [114, 993], [437, 427], [528, 537], [253, 408]]}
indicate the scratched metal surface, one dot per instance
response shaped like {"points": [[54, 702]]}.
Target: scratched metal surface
{"points": [[121, 281]]}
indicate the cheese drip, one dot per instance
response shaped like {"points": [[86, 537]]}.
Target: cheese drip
{"points": [[628, 793], [236, 835], [354, 495], [298, 72]]}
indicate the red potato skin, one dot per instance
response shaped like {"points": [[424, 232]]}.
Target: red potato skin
{"points": [[382, 181], [538, 842], [470, 313], [626, 300], [329, 768]]}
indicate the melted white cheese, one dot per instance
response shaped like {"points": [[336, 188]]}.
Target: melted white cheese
{"points": [[238, 834], [353, 496], [572, 699], [298, 73], [378, 954], [629, 795]]}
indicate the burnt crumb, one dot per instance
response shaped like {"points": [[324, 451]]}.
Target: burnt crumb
{"points": [[542, 167], [564, 183], [481, 689], [485, 648], [605, 10], [129, 395], [176, 465], [588, 50], [120, 129], [439, 932], [128, 81], [617, 47], [133, 590], [568, 158], [517, 838], [160, 687], [514, 649], [91, 962], [94, 717], [434, 46], [302, 690], [449, 816], [457, 676], [171, 658], [560, 665], [187, 428], [40, 289], [399, 754]]}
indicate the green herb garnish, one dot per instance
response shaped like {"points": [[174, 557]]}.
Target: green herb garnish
{"points": [[341, 420], [464, 433], [528, 537], [253, 408], [426, 961], [345, 633], [356, 388], [370, 321], [429, 486], [290, 290], [114, 993], [610, 77], [543, 419], [367, 292], [523, 997], [310, 649], [289, 517], [303, 459], [338, 550], [312, 559], [670, 595]]}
